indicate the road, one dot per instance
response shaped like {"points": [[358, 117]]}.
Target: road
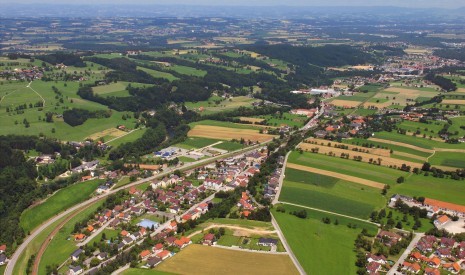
{"points": [[79, 207], [287, 246], [281, 180], [408, 250]]}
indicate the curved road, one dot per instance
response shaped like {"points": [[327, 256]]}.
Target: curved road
{"points": [[79, 207]]}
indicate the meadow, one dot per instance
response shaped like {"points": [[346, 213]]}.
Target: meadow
{"points": [[331, 194], [318, 246], [199, 259], [453, 159], [158, 74], [58, 202], [216, 104], [285, 119], [62, 245], [362, 170]]}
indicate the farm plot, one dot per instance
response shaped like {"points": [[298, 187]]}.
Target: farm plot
{"points": [[399, 96], [346, 103], [365, 157], [109, 133], [355, 148], [199, 259], [331, 194], [217, 104], [417, 143], [356, 169], [452, 159], [224, 133], [318, 246], [453, 101]]}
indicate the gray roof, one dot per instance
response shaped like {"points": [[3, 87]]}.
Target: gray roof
{"points": [[77, 252]]}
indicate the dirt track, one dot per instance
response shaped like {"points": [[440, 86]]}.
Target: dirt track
{"points": [[238, 231], [337, 175]]}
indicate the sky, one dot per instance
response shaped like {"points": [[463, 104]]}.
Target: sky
{"points": [[400, 3]]}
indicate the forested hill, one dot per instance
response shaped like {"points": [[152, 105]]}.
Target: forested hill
{"points": [[325, 56]]}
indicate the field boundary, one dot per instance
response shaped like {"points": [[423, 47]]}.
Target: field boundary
{"points": [[366, 182], [402, 144]]}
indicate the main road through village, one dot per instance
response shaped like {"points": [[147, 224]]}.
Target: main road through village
{"points": [[79, 207]]}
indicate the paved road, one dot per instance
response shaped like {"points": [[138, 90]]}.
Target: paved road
{"points": [[281, 180], [407, 252], [287, 246], [14, 258]]}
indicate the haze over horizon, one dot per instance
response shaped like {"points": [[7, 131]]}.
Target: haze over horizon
{"points": [[342, 3]]}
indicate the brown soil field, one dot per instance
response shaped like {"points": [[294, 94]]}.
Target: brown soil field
{"points": [[336, 175], [113, 132], [402, 144], [238, 231], [374, 151], [385, 161], [224, 133], [460, 90], [145, 166], [453, 101], [347, 103], [205, 260], [251, 119]]}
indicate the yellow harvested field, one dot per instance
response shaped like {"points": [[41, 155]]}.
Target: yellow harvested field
{"points": [[251, 119], [112, 132], [345, 103], [199, 259], [336, 175], [224, 133], [405, 91], [453, 101], [417, 51], [374, 151], [385, 161], [460, 90], [362, 68]]}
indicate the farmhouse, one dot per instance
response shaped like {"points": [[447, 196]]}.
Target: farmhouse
{"points": [[209, 239], [441, 221]]}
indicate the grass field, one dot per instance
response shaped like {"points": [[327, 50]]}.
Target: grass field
{"points": [[229, 146], [372, 172], [394, 148], [127, 138], [198, 259], [331, 194], [286, 119], [417, 141], [426, 224], [216, 104], [195, 143], [453, 159], [320, 246], [16, 93], [61, 247], [158, 74], [60, 201], [188, 70]]}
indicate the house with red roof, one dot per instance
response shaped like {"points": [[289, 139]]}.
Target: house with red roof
{"points": [[145, 254], [209, 239], [157, 248], [453, 268], [164, 254], [432, 271], [2, 248], [411, 267]]}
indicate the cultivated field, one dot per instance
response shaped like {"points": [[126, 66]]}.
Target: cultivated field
{"points": [[320, 246], [345, 103], [59, 201], [374, 151], [453, 101], [251, 119], [198, 259], [329, 193], [109, 133], [224, 133]]}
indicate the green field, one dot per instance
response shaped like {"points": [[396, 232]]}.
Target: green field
{"points": [[223, 124], [417, 141], [452, 159], [127, 138], [195, 143], [188, 70], [109, 233], [229, 146], [349, 167], [117, 89], [286, 119], [17, 93], [60, 201], [331, 194], [428, 186], [320, 246], [422, 128], [158, 74], [357, 97], [364, 112], [62, 245], [426, 224], [216, 104], [395, 148]]}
